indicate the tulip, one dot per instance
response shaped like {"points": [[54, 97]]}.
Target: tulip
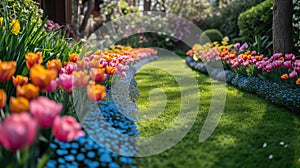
{"points": [[33, 58], [288, 64], [95, 92], [110, 70], [55, 64], [293, 74], [20, 80], [18, 105], [81, 79], [65, 81], [7, 70], [28, 91], [51, 87], [45, 111], [3, 98], [70, 67], [290, 57], [66, 129], [18, 131], [98, 75], [297, 63], [284, 77], [123, 74], [298, 81], [41, 77], [74, 57]]}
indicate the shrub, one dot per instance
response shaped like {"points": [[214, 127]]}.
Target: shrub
{"points": [[212, 34], [257, 20], [226, 19], [296, 24]]}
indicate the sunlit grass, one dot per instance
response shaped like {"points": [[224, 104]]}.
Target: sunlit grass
{"points": [[246, 124]]}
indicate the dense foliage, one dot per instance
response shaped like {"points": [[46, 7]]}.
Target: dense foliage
{"points": [[257, 21]]}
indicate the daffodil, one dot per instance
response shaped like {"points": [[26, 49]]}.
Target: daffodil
{"points": [[15, 24]]}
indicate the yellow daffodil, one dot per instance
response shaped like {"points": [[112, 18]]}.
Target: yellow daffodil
{"points": [[15, 24]]}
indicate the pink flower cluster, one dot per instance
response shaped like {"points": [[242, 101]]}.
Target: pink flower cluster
{"points": [[19, 130]]}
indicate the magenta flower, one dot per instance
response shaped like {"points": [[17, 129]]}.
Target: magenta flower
{"points": [[288, 64], [237, 46], [290, 57], [293, 74], [243, 47], [52, 86], [65, 81], [45, 111], [66, 129], [18, 131]]}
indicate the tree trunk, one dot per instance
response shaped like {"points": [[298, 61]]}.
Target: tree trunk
{"points": [[76, 16], [282, 26], [87, 14], [147, 5]]}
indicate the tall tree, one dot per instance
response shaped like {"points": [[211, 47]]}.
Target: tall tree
{"points": [[147, 5], [87, 14], [282, 26]]}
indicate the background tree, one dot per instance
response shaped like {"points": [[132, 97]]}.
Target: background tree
{"points": [[282, 26]]}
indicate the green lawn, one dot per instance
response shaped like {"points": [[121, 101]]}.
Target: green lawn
{"points": [[251, 132]]}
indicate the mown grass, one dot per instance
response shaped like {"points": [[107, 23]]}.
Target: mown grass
{"points": [[247, 123]]}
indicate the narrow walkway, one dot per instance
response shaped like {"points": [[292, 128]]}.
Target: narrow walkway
{"points": [[250, 133]]}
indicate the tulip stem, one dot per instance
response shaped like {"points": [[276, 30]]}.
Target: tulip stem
{"points": [[2, 114]]}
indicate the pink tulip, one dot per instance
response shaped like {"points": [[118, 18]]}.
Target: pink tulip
{"points": [[45, 111], [66, 129], [287, 64], [290, 57], [18, 131], [293, 74], [51, 87], [65, 81], [123, 74], [70, 68], [297, 63]]}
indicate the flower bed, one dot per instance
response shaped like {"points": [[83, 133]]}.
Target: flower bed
{"points": [[275, 78], [84, 151]]}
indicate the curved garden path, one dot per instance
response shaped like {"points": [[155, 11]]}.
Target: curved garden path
{"points": [[251, 131]]}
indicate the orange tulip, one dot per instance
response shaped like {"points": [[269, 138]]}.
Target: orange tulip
{"points": [[98, 75], [2, 98], [18, 105], [81, 64], [28, 91], [93, 63], [33, 58], [81, 78], [298, 81], [41, 77], [20, 80], [54, 64], [110, 70], [74, 57], [95, 92], [7, 70], [258, 57], [284, 77]]}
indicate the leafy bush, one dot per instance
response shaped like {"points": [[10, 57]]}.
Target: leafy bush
{"points": [[257, 21], [212, 34], [226, 19], [296, 24]]}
